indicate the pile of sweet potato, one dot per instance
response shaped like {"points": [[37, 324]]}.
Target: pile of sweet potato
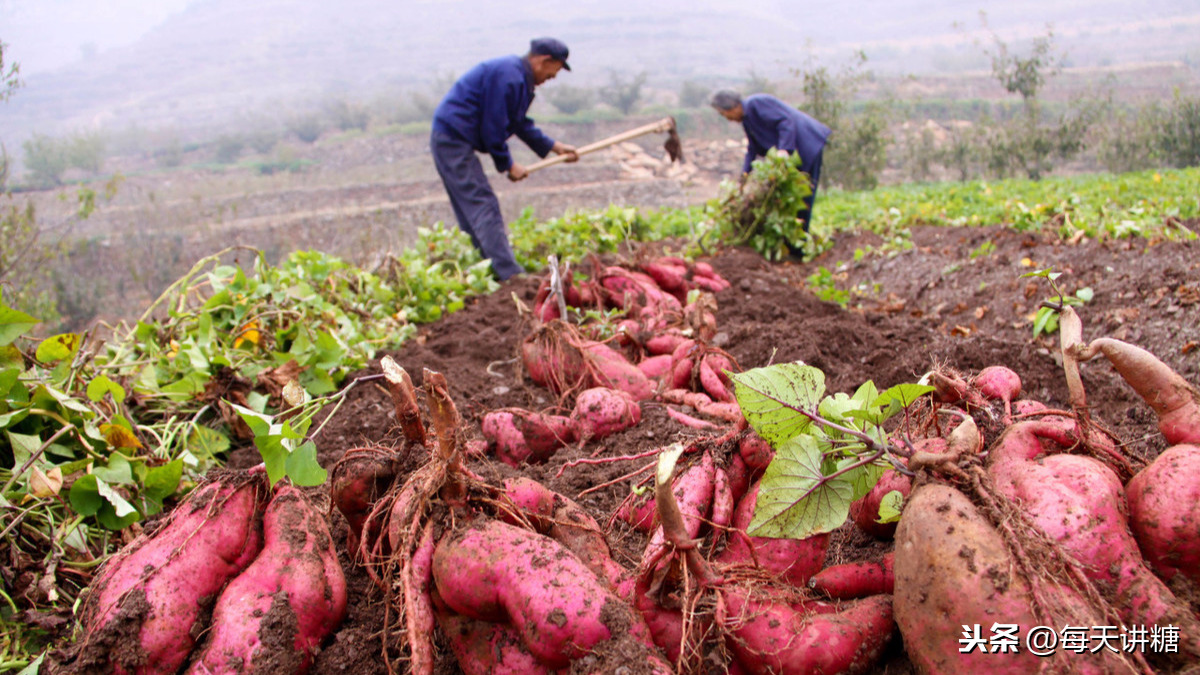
{"points": [[237, 579]]}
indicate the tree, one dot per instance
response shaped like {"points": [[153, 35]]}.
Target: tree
{"points": [[623, 94], [693, 95], [9, 79], [570, 100]]}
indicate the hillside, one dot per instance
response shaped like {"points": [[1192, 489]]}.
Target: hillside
{"points": [[221, 60]]}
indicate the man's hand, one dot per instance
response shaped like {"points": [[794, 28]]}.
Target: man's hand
{"points": [[517, 172], [564, 149]]}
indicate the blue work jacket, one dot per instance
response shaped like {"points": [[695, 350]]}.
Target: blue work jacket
{"points": [[487, 105], [771, 123]]}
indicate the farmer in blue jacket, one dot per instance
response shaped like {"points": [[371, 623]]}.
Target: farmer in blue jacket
{"points": [[771, 123], [480, 112]]}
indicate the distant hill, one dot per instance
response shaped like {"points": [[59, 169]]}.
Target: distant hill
{"points": [[221, 59]]}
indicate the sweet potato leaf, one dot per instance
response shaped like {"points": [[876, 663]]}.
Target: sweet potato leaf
{"points": [[796, 500], [772, 397]]}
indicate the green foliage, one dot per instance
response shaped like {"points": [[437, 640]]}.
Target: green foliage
{"points": [[570, 100], [45, 159], [229, 148], [306, 126], [10, 80], [576, 234], [1179, 132], [1143, 204], [857, 152], [348, 115], [692, 94], [1045, 321], [760, 211], [621, 93], [829, 450]]}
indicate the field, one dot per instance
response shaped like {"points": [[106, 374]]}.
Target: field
{"points": [[887, 302]]}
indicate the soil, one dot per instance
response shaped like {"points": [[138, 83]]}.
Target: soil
{"points": [[936, 304]]}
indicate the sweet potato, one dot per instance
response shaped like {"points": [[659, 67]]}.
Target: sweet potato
{"points": [[1164, 512], [793, 560], [611, 369], [496, 572], [1174, 400], [154, 590], [772, 638], [566, 522], [756, 452], [359, 478], [857, 579], [523, 436], [665, 343], [656, 367], [485, 648], [953, 569], [600, 412], [998, 383], [279, 609], [865, 511]]}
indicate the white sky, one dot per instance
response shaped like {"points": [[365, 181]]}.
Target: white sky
{"points": [[46, 34]]}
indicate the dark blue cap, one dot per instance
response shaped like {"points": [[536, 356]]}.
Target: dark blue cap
{"points": [[548, 46]]}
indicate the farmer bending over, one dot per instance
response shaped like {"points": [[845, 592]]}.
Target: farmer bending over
{"points": [[771, 123], [480, 112]]}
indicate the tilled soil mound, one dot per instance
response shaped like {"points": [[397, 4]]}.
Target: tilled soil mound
{"points": [[936, 304]]}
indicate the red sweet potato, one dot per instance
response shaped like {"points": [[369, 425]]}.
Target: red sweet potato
{"points": [[360, 478], [793, 560], [499, 573], [611, 369], [485, 648], [523, 436], [756, 452], [656, 367], [665, 343], [693, 490], [857, 579], [600, 412], [771, 638], [156, 588], [953, 569], [1174, 400], [865, 511], [295, 585], [998, 383], [1164, 512]]}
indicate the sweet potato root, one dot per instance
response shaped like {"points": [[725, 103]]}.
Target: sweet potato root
{"points": [[793, 560], [600, 412], [953, 569], [496, 572], [1164, 512], [773, 638], [857, 579], [154, 590], [521, 436], [279, 609], [865, 512], [1174, 400]]}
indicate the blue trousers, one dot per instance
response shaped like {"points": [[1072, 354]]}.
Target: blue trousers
{"points": [[475, 205]]}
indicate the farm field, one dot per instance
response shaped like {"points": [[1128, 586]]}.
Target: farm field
{"points": [[967, 319], [947, 297]]}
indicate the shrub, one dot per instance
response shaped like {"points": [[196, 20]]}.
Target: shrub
{"points": [[570, 100], [623, 94]]}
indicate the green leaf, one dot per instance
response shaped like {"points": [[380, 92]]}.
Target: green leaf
{"points": [[14, 323], [206, 442], [85, 496], [101, 385], [23, 446], [795, 499], [34, 666], [770, 398], [863, 478], [118, 471], [8, 378], [121, 507], [58, 348], [889, 507], [1085, 294], [302, 466], [162, 481]]}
